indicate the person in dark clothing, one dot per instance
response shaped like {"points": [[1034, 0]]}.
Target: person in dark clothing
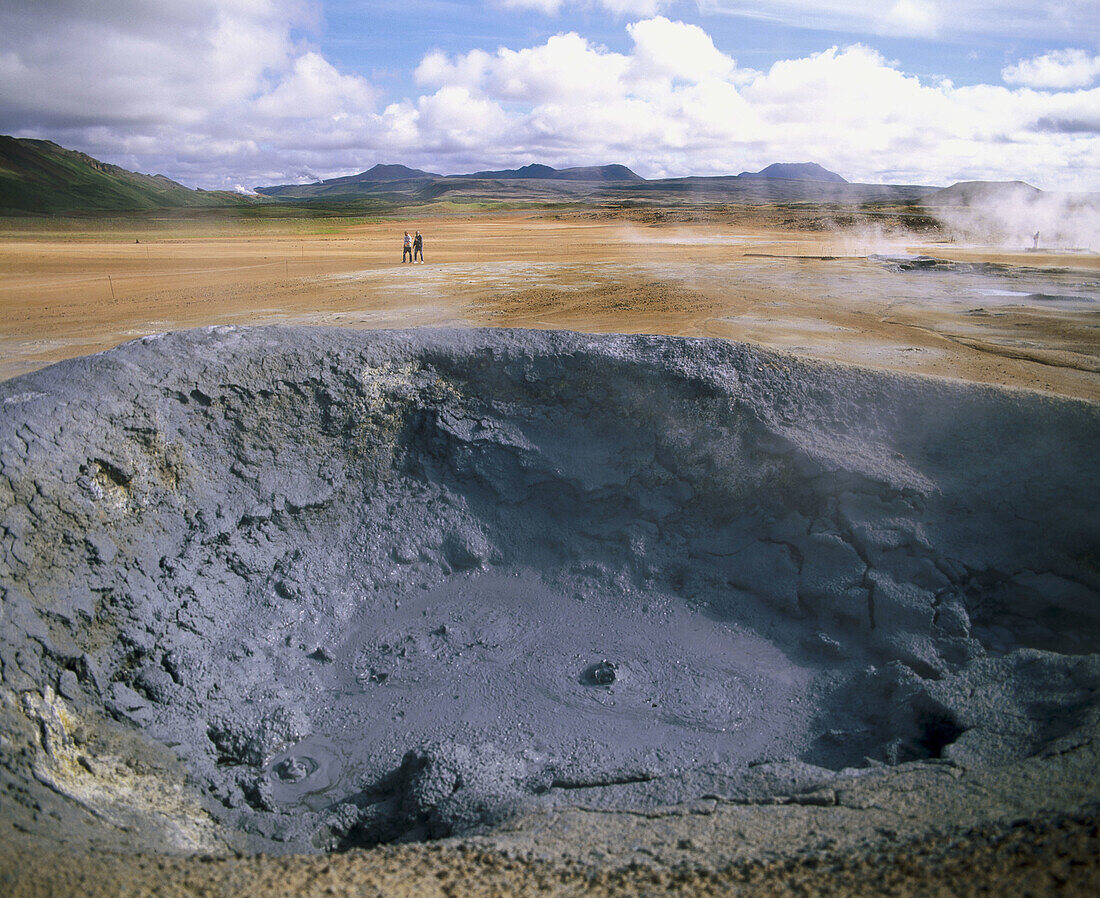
{"points": [[418, 247], [407, 252]]}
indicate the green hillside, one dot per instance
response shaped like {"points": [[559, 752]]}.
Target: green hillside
{"points": [[40, 176]]}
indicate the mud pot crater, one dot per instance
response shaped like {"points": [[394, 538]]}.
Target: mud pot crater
{"points": [[308, 589]]}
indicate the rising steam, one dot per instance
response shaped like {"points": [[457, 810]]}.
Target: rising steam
{"points": [[1014, 214]]}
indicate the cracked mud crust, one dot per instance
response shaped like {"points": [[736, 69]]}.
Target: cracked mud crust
{"points": [[599, 606]]}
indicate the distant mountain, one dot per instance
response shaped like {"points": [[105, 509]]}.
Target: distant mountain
{"points": [[398, 179], [793, 171], [545, 172], [532, 171], [968, 193], [350, 184], [382, 172], [40, 176], [535, 183]]}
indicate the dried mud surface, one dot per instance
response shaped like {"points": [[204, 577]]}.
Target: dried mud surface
{"points": [[776, 625]]}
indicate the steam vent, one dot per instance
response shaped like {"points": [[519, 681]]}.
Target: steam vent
{"points": [[300, 590]]}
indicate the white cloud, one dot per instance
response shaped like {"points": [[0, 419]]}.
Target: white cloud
{"points": [[139, 63], [312, 88], [918, 17], [677, 50], [676, 105], [548, 7], [437, 68], [948, 19], [638, 8], [1058, 69], [220, 93], [203, 90], [565, 66], [454, 118]]}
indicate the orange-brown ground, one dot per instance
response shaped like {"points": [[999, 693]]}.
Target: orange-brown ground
{"points": [[1049, 857], [63, 295]]}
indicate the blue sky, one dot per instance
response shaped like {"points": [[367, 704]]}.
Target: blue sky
{"points": [[354, 35], [224, 93]]}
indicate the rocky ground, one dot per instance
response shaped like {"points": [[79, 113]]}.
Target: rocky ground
{"points": [[612, 615]]}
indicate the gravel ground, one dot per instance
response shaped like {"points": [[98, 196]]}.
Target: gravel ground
{"points": [[1057, 856]]}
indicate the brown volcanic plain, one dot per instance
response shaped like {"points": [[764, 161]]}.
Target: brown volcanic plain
{"points": [[771, 276]]}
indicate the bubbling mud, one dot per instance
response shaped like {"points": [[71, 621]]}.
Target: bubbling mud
{"points": [[388, 586]]}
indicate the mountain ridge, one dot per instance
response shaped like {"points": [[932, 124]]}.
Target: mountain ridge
{"points": [[794, 171], [39, 176], [967, 193], [42, 176], [534, 170], [612, 174]]}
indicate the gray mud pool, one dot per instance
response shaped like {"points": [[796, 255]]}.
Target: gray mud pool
{"points": [[945, 282], [297, 589]]}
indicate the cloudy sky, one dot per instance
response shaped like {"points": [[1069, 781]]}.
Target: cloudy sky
{"points": [[225, 93]]}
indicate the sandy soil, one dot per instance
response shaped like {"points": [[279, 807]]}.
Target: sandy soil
{"points": [[1056, 857], [813, 293]]}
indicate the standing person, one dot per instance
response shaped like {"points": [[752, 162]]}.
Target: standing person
{"points": [[407, 252], [418, 247]]}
